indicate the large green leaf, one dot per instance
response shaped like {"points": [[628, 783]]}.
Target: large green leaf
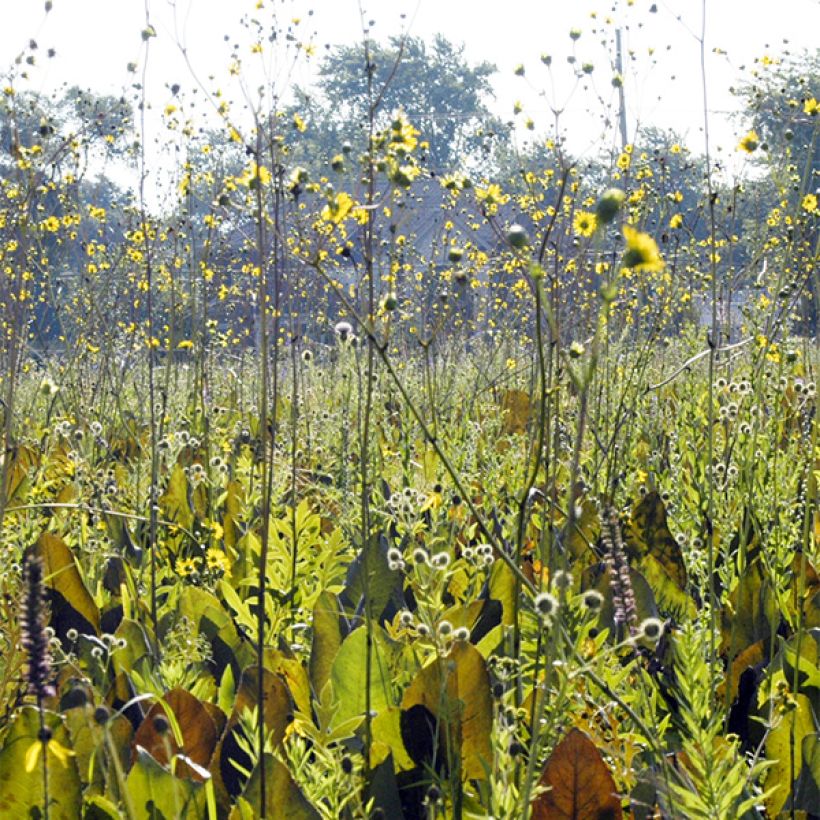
{"points": [[784, 748], [648, 534], [21, 791], [327, 638], [230, 750], [752, 612], [205, 612], [502, 586], [157, 795], [86, 742], [175, 502], [807, 788], [349, 675], [283, 798], [370, 573]]}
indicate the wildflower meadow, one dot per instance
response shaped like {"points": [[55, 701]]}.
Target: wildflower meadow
{"points": [[370, 453]]}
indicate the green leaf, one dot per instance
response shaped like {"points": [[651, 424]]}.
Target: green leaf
{"points": [[784, 747], [598, 577], [670, 597], [751, 611], [387, 740], [86, 741], [283, 798], [349, 675], [21, 791], [327, 638], [370, 571], [97, 807], [807, 788], [208, 617], [155, 793], [648, 534], [502, 586], [174, 502]]}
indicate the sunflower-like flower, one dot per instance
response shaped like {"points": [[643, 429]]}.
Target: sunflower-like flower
{"points": [[749, 143], [584, 223], [641, 251]]}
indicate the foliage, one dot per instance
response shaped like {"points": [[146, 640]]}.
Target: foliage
{"points": [[401, 493]]}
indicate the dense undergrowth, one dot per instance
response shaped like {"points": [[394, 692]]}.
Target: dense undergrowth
{"points": [[373, 491]]}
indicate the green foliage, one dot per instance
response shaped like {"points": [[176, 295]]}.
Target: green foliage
{"points": [[364, 478]]}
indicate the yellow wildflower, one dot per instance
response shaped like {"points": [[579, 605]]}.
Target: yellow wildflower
{"points": [[641, 251], [584, 223], [749, 143]]}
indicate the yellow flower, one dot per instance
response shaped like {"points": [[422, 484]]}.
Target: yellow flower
{"points": [[185, 567], [584, 223], [749, 143], [215, 559], [403, 137], [676, 221], [810, 203], [641, 251], [337, 208], [811, 107]]}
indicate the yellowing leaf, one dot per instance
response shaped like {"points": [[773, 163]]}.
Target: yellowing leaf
{"points": [[648, 533], [63, 578], [515, 410], [784, 747], [455, 691]]}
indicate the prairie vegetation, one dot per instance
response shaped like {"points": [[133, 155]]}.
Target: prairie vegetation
{"points": [[387, 469]]}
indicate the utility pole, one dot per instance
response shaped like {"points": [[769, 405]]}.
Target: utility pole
{"points": [[619, 67]]}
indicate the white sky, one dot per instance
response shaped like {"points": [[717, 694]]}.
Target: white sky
{"points": [[96, 39]]}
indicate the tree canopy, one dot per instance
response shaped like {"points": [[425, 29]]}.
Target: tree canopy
{"points": [[443, 94]]}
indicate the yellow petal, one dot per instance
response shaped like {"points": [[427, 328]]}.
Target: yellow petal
{"points": [[60, 752], [33, 755]]}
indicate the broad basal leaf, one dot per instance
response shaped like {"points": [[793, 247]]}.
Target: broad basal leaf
{"points": [[455, 691], [198, 731], [21, 785], [579, 783], [155, 792], [64, 581], [648, 534], [349, 675]]}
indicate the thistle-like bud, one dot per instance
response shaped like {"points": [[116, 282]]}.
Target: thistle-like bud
{"points": [[609, 204], [33, 626]]}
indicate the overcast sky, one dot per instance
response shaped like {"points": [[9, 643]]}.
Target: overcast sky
{"points": [[96, 39]]}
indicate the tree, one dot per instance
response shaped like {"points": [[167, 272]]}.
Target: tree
{"points": [[442, 94], [782, 108], [781, 105]]}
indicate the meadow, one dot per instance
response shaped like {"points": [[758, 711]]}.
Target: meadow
{"points": [[347, 486]]}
